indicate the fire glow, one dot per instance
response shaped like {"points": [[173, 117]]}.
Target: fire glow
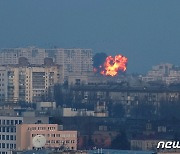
{"points": [[113, 65]]}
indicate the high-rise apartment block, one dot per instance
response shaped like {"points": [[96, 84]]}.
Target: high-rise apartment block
{"points": [[71, 60], [74, 60], [29, 74], [28, 83], [12, 55]]}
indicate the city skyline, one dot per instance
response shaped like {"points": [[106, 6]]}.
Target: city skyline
{"points": [[144, 31], [89, 76]]}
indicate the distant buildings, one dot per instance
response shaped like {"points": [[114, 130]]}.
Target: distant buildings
{"points": [[74, 60], [12, 55], [144, 144], [167, 73], [71, 60], [100, 110]]}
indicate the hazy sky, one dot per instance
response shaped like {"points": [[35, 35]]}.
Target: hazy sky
{"points": [[145, 31]]}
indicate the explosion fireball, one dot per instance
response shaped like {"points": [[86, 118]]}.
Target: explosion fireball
{"points": [[113, 65]]}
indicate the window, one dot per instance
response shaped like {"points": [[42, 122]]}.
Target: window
{"points": [[3, 145], [52, 141], [20, 121], [67, 141], [11, 146], [3, 129], [57, 141], [7, 145], [3, 137], [12, 130], [16, 122], [33, 128], [39, 121], [7, 137], [72, 141], [12, 122], [11, 137], [7, 122]]}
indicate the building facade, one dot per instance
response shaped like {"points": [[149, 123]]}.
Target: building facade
{"points": [[28, 83], [12, 55], [71, 60], [8, 130], [54, 137], [74, 60], [166, 73]]}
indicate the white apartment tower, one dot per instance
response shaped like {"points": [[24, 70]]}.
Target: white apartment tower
{"points": [[74, 60], [12, 55]]}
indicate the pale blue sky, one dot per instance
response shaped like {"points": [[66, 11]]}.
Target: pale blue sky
{"points": [[145, 31]]}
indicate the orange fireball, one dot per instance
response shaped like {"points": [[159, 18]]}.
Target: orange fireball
{"points": [[113, 65]]}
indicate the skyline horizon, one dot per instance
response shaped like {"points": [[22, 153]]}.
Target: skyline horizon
{"points": [[146, 32], [56, 47]]}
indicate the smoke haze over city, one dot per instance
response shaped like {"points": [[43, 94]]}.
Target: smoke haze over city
{"points": [[89, 77], [146, 32]]}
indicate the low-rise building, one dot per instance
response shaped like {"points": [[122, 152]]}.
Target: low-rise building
{"points": [[54, 137], [8, 130], [144, 144], [72, 112], [45, 105]]}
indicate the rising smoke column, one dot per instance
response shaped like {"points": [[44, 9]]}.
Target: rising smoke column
{"points": [[113, 65], [98, 62]]}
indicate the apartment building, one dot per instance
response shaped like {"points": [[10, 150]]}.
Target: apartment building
{"points": [[28, 83], [33, 54], [54, 138], [158, 72], [74, 60], [71, 60], [166, 73], [8, 130]]}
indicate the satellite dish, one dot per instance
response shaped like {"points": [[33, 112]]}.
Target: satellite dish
{"points": [[39, 141]]}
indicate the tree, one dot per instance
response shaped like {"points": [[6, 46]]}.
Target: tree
{"points": [[58, 95], [170, 110], [144, 110], [117, 110], [121, 142]]}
